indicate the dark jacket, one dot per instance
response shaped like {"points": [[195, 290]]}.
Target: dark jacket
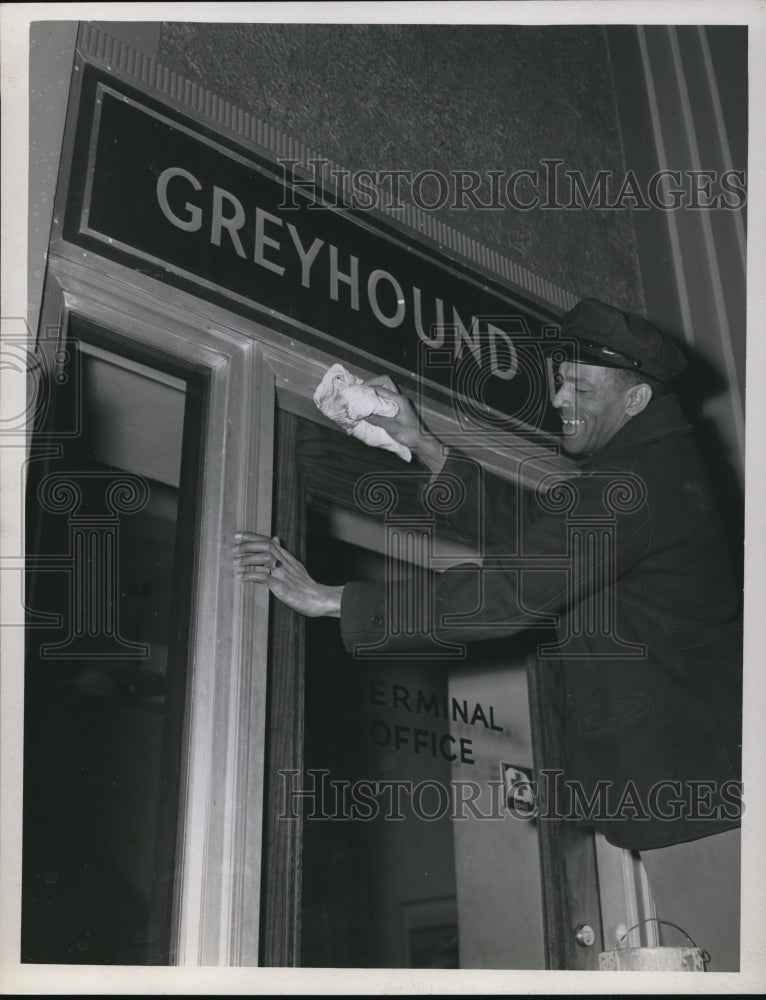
{"points": [[629, 562]]}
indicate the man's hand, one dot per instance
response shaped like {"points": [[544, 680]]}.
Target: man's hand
{"points": [[263, 560], [406, 427]]}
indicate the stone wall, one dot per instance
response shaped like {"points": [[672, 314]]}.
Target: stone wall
{"points": [[445, 98]]}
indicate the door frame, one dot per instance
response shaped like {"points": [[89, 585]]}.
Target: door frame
{"points": [[216, 881]]}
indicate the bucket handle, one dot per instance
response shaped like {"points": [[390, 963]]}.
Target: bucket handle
{"points": [[669, 923]]}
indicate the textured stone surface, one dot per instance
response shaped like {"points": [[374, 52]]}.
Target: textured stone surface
{"points": [[446, 98]]}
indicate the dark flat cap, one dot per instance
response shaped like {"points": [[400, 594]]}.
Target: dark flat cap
{"points": [[615, 339]]}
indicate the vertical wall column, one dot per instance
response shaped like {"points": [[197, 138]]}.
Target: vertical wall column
{"points": [[682, 102]]}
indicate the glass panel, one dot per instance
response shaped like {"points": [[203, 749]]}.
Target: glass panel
{"points": [[109, 538], [397, 870], [360, 874]]}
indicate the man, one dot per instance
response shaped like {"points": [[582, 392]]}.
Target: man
{"points": [[646, 609]]}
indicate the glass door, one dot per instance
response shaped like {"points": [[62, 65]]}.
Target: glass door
{"points": [[378, 848], [389, 841]]}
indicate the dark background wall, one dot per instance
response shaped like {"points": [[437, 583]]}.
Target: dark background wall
{"points": [[441, 97]]}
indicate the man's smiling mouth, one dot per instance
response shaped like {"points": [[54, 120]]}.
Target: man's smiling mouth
{"points": [[571, 425]]}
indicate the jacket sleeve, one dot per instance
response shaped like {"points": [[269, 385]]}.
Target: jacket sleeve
{"points": [[563, 550], [482, 507]]}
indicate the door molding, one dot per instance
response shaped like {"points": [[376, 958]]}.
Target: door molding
{"points": [[216, 894]]}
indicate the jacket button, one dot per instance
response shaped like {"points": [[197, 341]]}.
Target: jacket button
{"points": [[376, 620]]}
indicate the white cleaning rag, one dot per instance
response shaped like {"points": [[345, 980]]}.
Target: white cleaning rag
{"points": [[346, 400]]}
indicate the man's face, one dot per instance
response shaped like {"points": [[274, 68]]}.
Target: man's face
{"points": [[592, 405]]}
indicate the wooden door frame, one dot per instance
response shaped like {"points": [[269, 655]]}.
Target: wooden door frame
{"points": [[568, 864], [216, 876]]}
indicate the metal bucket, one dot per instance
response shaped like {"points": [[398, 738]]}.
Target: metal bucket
{"points": [[652, 960]]}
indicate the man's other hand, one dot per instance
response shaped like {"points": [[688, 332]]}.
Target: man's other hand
{"points": [[260, 559]]}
